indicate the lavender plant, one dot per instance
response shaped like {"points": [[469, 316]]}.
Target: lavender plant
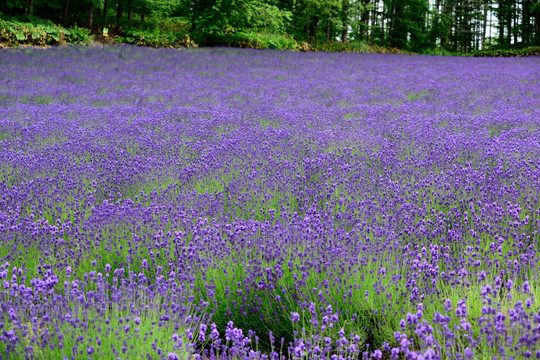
{"points": [[242, 204]]}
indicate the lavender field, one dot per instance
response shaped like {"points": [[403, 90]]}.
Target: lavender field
{"points": [[235, 204]]}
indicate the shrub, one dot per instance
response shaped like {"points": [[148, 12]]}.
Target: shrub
{"points": [[78, 35], [337, 46], [277, 41], [250, 39], [386, 50], [528, 51], [13, 33], [172, 32], [39, 32]]}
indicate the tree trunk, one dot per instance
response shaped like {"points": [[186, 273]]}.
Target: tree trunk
{"points": [[345, 19], [30, 7], [119, 11], [466, 29], [313, 28], [478, 26], [130, 9], [143, 12], [328, 29], [526, 21], [365, 18], [391, 25], [105, 9], [66, 11], [490, 26], [382, 23], [515, 15], [537, 26], [438, 16], [500, 17], [484, 25], [452, 34], [91, 16], [358, 27], [446, 26], [373, 21], [537, 21], [509, 24]]}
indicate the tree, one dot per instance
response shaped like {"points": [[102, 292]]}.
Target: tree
{"points": [[417, 25], [345, 6]]}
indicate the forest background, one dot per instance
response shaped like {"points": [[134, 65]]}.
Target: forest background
{"points": [[495, 27]]}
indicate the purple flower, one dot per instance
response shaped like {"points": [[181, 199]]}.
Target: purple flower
{"points": [[509, 284], [526, 287], [448, 305], [202, 332], [258, 185]]}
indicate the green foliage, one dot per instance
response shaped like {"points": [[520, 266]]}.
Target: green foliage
{"points": [[528, 51], [39, 32], [160, 8], [311, 14], [173, 32], [154, 39], [407, 30], [441, 52], [14, 32], [233, 16], [269, 18], [417, 26], [175, 24], [387, 50], [251, 39], [337, 46], [78, 35]]}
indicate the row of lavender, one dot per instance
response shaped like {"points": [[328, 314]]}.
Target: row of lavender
{"points": [[172, 204]]}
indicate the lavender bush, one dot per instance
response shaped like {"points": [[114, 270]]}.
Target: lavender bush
{"points": [[235, 204]]}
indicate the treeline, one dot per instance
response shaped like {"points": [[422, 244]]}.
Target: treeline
{"points": [[412, 25]]}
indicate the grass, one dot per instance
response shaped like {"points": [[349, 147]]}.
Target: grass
{"points": [[361, 310], [264, 312], [349, 115], [98, 334], [265, 124], [413, 96]]}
